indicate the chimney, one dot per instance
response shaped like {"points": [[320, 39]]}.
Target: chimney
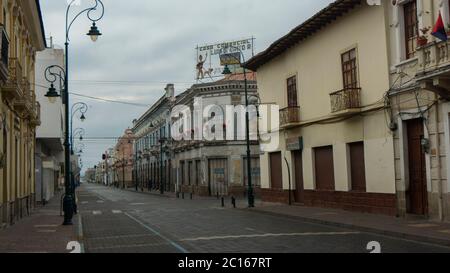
{"points": [[170, 91]]}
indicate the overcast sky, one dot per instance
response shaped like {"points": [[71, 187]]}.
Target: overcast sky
{"points": [[147, 44]]}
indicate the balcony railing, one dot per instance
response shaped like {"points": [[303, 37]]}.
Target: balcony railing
{"points": [[289, 116], [346, 99], [433, 56]]}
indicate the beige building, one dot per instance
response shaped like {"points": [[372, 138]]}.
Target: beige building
{"points": [[124, 160], [218, 167], [22, 35], [330, 76]]}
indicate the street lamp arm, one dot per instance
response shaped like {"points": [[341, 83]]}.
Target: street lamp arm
{"points": [[87, 11], [54, 75], [79, 132], [79, 106]]}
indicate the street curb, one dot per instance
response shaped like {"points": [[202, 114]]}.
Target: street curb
{"points": [[401, 235], [80, 234]]}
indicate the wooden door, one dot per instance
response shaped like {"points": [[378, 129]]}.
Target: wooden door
{"points": [[324, 168], [276, 173], [298, 172], [357, 166], [417, 194]]}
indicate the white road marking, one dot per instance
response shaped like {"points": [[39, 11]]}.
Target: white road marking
{"points": [[46, 231], [97, 212], [270, 235], [116, 211], [137, 204], [45, 226], [85, 202], [177, 246]]}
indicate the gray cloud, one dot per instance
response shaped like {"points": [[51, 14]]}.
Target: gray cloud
{"points": [[153, 42]]}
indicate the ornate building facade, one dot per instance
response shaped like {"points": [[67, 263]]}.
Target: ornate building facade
{"points": [[22, 35]]}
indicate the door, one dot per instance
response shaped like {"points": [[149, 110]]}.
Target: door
{"points": [[276, 174], [182, 173], [198, 172], [298, 172], [324, 168], [190, 173], [218, 176], [357, 167], [417, 195]]}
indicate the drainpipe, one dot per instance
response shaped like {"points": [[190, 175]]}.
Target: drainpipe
{"points": [[438, 155]]}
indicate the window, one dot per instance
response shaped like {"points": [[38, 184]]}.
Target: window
{"points": [[292, 91], [350, 69], [411, 28]]}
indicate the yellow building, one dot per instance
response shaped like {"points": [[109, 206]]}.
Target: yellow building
{"points": [[22, 35], [330, 77]]}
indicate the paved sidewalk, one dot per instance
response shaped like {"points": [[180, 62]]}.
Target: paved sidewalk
{"points": [[41, 232], [410, 229]]}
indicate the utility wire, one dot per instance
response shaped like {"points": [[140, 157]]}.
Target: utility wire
{"points": [[111, 101], [104, 100]]}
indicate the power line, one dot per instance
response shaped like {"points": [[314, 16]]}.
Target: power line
{"points": [[127, 82], [104, 100], [111, 101]]}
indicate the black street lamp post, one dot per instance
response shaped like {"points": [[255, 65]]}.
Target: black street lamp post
{"points": [[251, 197], [94, 33]]}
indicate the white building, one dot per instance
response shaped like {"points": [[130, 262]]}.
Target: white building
{"points": [[49, 136]]}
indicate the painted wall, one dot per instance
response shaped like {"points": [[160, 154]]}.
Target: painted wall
{"points": [[317, 64]]}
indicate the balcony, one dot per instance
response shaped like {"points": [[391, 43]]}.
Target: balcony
{"points": [[25, 102], [4, 54], [346, 101], [433, 56], [289, 117], [434, 67], [13, 88]]}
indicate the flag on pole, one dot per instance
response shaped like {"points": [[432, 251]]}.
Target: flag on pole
{"points": [[439, 29]]}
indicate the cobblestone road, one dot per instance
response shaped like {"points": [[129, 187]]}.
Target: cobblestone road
{"points": [[124, 221]]}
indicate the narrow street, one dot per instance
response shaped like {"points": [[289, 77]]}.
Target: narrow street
{"points": [[117, 221]]}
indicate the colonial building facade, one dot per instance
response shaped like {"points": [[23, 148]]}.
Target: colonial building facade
{"points": [[216, 167], [330, 76], [419, 99], [124, 159], [22, 36], [152, 160]]}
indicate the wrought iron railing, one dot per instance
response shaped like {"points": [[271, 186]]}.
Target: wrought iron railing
{"points": [[289, 115], [345, 99]]}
